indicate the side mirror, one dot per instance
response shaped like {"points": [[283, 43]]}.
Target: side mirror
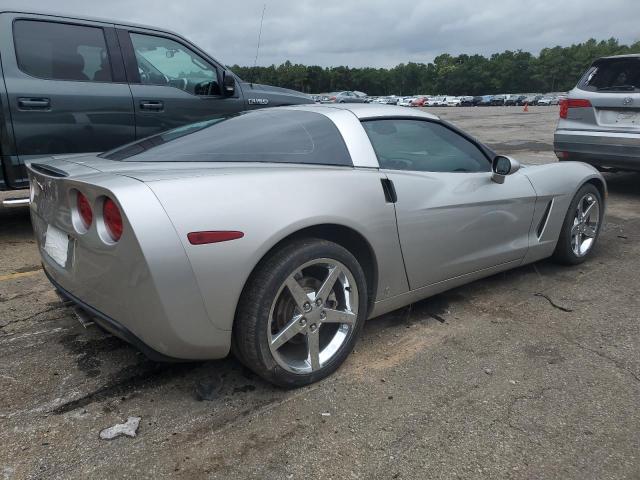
{"points": [[503, 166], [228, 85]]}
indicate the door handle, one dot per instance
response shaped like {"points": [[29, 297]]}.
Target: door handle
{"points": [[34, 103], [152, 105]]}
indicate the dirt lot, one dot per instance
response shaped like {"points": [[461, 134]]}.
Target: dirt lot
{"points": [[490, 380]]}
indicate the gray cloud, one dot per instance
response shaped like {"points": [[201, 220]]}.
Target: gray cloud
{"points": [[366, 32]]}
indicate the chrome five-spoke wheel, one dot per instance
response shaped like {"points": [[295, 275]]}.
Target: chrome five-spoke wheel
{"points": [[581, 226], [301, 312], [313, 315], [585, 224]]}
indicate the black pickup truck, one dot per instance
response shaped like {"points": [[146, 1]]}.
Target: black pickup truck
{"points": [[77, 85]]}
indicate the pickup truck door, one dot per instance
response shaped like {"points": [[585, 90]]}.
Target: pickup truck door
{"points": [[66, 87], [172, 82], [452, 218]]}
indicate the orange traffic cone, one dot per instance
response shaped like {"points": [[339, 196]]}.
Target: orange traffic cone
{"points": [[526, 107]]}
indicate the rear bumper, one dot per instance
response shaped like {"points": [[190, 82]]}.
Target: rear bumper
{"points": [[113, 326], [597, 148]]}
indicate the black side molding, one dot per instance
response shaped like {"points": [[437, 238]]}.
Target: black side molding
{"points": [[48, 170], [389, 190]]}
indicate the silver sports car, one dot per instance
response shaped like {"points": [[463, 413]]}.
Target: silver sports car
{"points": [[278, 232]]}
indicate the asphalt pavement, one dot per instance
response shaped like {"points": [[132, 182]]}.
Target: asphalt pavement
{"points": [[529, 374]]}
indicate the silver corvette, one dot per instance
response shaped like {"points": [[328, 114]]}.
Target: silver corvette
{"points": [[278, 232]]}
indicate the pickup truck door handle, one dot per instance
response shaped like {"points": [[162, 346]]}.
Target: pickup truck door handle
{"points": [[34, 103], [152, 105]]}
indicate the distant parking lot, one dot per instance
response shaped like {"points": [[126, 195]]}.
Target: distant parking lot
{"points": [[533, 373]]}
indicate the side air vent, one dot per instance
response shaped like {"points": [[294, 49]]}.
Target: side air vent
{"points": [[543, 221], [48, 170], [389, 190]]}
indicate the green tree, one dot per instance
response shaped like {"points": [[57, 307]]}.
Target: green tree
{"points": [[554, 69]]}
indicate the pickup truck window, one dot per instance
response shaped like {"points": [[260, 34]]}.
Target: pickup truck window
{"points": [[162, 61], [61, 51]]}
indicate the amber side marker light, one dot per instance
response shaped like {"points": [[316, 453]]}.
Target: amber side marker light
{"points": [[200, 238]]}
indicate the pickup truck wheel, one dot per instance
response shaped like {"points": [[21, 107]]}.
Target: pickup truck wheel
{"points": [[301, 313], [581, 227]]}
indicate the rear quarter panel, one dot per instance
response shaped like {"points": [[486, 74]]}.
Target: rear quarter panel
{"points": [[269, 205], [144, 281]]}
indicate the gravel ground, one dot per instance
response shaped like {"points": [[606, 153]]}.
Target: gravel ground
{"points": [[530, 374]]}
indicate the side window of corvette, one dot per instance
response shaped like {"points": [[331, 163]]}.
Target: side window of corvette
{"points": [[424, 146]]}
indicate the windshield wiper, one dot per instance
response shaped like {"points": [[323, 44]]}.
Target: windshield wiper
{"points": [[618, 87]]}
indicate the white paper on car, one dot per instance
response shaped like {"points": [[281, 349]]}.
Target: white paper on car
{"points": [[56, 245]]}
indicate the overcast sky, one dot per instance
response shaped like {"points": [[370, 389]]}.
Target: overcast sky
{"points": [[366, 32]]}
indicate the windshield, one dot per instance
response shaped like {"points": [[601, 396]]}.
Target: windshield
{"points": [[276, 136], [613, 74]]}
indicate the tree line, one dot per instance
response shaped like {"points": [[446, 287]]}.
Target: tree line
{"points": [[553, 70]]}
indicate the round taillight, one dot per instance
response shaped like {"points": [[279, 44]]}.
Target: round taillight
{"points": [[84, 209], [112, 219]]}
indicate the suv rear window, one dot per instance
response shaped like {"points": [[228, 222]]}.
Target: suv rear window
{"points": [[612, 75], [61, 51], [275, 136]]}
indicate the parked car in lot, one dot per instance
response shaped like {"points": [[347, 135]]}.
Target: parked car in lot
{"points": [[531, 99], [405, 101], [187, 244], [514, 100], [467, 101], [70, 85], [419, 102], [498, 100], [452, 101], [485, 101], [546, 101], [600, 119], [361, 95], [345, 97], [437, 102]]}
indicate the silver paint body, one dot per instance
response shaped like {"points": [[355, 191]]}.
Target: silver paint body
{"points": [[180, 299]]}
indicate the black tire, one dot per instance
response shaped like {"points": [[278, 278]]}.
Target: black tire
{"points": [[250, 338], [564, 253]]}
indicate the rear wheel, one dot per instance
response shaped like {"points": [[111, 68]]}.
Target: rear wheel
{"points": [[301, 313], [581, 226]]}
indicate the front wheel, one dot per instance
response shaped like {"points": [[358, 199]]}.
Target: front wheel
{"points": [[301, 312], [581, 226]]}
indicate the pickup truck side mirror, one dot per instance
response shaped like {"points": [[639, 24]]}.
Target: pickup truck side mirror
{"points": [[503, 166], [228, 85]]}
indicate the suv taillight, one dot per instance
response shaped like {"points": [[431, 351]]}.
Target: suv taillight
{"points": [[567, 103], [112, 219], [84, 209]]}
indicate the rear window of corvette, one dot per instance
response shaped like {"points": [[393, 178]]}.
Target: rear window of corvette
{"points": [[275, 136]]}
